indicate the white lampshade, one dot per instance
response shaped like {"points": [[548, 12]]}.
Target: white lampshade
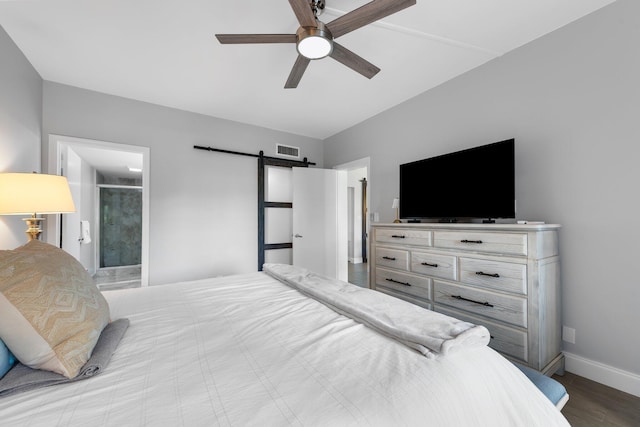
{"points": [[31, 193], [395, 204]]}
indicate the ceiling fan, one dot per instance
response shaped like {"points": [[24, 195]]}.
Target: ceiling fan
{"points": [[315, 39]]}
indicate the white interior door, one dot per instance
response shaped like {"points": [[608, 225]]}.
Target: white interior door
{"points": [[72, 167], [320, 221]]}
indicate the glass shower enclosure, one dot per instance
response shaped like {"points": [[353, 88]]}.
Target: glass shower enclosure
{"points": [[120, 226]]}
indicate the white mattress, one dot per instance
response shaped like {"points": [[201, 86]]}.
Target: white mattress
{"points": [[248, 350]]}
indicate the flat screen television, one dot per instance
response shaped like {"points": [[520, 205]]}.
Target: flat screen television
{"points": [[475, 183]]}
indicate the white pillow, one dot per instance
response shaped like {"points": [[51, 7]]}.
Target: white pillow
{"points": [[51, 312]]}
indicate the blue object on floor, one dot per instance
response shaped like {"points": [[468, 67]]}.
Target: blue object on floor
{"points": [[551, 388]]}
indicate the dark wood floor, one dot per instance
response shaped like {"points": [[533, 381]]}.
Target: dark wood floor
{"points": [[593, 404]]}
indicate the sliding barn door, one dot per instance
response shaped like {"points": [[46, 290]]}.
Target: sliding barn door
{"points": [[277, 215]]}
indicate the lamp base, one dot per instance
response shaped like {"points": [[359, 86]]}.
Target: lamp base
{"points": [[397, 220], [33, 227]]}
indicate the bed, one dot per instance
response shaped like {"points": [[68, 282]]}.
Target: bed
{"points": [[257, 349]]}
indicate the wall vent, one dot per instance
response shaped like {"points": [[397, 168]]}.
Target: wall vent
{"points": [[288, 151]]}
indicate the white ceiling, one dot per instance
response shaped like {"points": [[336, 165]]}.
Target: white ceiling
{"points": [[110, 162], [164, 52]]}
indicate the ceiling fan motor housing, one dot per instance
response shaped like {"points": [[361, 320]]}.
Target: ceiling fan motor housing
{"points": [[314, 42]]}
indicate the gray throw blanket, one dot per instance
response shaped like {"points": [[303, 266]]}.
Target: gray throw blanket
{"points": [[432, 334], [22, 378]]}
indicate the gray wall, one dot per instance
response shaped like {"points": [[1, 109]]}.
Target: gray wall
{"points": [[572, 101], [203, 205], [20, 124]]}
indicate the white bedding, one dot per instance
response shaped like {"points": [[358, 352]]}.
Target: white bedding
{"points": [[248, 350]]}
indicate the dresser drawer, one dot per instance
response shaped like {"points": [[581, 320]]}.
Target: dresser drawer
{"points": [[502, 276], [506, 308], [394, 258], [510, 341], [500, 243], [436, 265], [404, 236], [404, 282]]}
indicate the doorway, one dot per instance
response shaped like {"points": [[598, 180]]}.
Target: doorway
{"points": [[91, 167], [359, 188]]}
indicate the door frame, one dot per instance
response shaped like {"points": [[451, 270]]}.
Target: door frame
{"points": [[364, 162], [57, 144]]}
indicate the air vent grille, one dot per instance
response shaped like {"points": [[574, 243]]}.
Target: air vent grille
{"points": [[288, 151]]}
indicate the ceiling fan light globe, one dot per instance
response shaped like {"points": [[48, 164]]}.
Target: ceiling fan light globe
{"points": [[314, 47], [314, 42]]}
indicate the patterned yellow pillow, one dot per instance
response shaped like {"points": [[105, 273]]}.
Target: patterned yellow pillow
{"points": [[51, 312]]}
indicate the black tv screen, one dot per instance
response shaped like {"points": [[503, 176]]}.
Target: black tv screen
{"points": [[474, 183]]}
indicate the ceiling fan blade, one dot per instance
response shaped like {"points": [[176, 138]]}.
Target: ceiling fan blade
{"points": [[302, 9], [256, 38], [296, 72], [353, 61], [366, 14]]}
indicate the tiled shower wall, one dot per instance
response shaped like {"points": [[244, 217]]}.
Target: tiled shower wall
{"points": [[120, 226]]}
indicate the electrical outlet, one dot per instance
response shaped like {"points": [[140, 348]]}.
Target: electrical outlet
{"points": [[568, 334]]}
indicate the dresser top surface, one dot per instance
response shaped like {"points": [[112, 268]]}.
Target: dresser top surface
{"points": [[470, 226]]}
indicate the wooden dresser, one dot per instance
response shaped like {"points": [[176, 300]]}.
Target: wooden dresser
{"points": [[503, 276]]}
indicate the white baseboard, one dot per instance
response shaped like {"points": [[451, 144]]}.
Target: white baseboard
{"points": [[603, 374], [357, 260]]}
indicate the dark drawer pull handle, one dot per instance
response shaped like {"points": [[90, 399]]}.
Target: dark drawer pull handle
{"points": [[400, 283], [471, 241], [389, 258], [397, 236], [429, 265], [470, 300], [481, 273]]}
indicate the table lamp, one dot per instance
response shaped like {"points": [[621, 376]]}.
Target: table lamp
{"points": [[32, 194], [396, 205]]}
